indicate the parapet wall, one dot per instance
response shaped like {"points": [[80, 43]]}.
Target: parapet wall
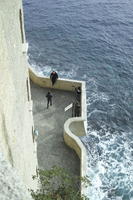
{"points": [[75, 143], [61, 84], [75, 126]]}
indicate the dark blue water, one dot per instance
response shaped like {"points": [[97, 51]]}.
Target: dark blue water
{"points": [[92, 40]]}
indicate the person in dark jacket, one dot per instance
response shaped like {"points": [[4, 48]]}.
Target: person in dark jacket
{"points": [[53, 77], [76, 109], [78, 93], [49, 99]]}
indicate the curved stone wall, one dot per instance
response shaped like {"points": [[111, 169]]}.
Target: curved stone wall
{"points": [[75, 143], [74, 127]]}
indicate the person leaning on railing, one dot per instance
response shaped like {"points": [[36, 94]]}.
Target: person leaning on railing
{"points": [[53, 77]]}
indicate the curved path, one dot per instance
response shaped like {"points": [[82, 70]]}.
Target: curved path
{"points": [[51, 149]]}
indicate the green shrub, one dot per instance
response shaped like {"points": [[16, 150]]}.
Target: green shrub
{"points": [[58, 184]]}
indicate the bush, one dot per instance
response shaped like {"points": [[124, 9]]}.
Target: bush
{"points": [[57, 184]]}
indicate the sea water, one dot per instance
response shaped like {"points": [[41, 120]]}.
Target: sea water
{"points": [[92, 40]]}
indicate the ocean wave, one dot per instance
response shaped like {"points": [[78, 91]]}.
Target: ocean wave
{"points": [[110, 165]]}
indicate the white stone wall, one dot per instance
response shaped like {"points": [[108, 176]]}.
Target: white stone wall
{"points": [[11, 187], [16, 120]]}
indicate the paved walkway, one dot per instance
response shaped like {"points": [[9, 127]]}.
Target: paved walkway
{"points": [[51, 148]]}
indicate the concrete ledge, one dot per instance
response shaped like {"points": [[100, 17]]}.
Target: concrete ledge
{"points": [[61, 84], [73, 127]]}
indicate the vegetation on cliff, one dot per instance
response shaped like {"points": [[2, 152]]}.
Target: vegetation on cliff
{"points": [[58, 184]]}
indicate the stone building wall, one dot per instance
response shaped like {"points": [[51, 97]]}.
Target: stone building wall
{"points": [[16, 123], [11, 187]]}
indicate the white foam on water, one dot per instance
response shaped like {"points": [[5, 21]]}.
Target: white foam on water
{"points": [[68, 74], [111, 172], [42, 70], [97, 96], [93, 94], [46, 70], [96, 111]]}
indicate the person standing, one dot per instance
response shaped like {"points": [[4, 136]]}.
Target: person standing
{"points": [[49, 99], [78, 93], [76, 109], [53, 77]]}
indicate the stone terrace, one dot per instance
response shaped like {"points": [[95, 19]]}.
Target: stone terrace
{"points": [[51, 149]]}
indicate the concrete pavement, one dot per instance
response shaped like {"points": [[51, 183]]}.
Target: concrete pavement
{"points": [[51, 149]]}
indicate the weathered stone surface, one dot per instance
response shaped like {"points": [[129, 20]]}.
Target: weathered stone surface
{"points": [[15, 116], [11, 188], [52, 149]]}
